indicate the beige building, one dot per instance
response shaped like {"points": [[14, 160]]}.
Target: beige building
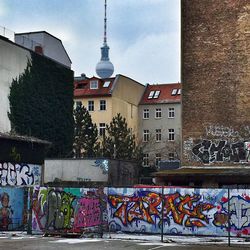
{"points": [[105, 98]]}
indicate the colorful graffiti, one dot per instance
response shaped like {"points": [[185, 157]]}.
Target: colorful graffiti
{"points": [[12, 213], [223, 151], [19, 174], [65, 209], [185, 211]]}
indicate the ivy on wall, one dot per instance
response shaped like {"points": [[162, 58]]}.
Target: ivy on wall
{"points": [[41, 104]]}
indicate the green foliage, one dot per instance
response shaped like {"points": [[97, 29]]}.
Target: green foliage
{"points": [[85, 133], [41, 104], [118, 141]]}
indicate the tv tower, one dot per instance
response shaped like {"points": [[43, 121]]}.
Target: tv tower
{"points": [[104, 67]]}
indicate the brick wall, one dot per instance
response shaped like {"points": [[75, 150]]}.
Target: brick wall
{"points": [[216, 81]]}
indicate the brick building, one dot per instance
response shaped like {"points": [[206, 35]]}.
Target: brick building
{"points": [[216, 93]]}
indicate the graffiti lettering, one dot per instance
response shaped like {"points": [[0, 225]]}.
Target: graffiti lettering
{"points": [[223, 151], [187, 210], [141, 207], [60, 210], [88, 213], [221, 131], [19, 174]]}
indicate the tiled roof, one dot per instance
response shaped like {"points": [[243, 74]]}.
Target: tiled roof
{"points": [[82, 87], [162, 93]]}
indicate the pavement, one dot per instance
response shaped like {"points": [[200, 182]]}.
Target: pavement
{"points": [[22, 241]]}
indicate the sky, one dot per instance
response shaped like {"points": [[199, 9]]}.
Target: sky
{"points": [[143, 35]]}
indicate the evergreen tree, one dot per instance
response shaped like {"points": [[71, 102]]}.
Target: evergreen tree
{"points": [[85, 133], [118, 141], [41, 104]]}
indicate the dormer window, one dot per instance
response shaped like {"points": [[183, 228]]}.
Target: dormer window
{"points": [[151, 94], [106, 84], [94, 84], [174, 92], [157, 93]]}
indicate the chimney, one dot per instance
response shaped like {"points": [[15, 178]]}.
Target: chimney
{"points": [[39, 50]]}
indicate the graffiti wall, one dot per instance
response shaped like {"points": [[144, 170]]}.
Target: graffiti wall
{"points": [[185, 211], [13, 210], [19, 174], [67, 210]]}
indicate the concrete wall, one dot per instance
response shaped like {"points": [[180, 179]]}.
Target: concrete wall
{"points": [[13, 63], [76, 170], [215, 77]]}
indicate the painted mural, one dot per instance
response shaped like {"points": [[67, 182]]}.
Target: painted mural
{"points": [[19, 174], [185, 211], [66, 210], [13, 212]]}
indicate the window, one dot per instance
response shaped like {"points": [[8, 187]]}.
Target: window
{"points": [[106, 84], [151, 94], [91, 106], [171, 156], [174, 91], [94, 84], [157, 93], [157, 159], [158, 113], [171, 112], [102, 104], [102, 129], [145, 160], [145, 135], [154, 94], [179, 92], [158, 135], [145, 113], [171, 134]]}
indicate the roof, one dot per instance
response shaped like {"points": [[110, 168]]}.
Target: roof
{"points": [[213, 171], [16, 137], [42, 31], [82, 87], [162, 93]]}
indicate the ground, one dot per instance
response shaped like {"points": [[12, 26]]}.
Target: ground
{"points": [[20, 241]]}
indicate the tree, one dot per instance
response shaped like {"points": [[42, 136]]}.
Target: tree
{"points": [[41, 104], [118, 140], [85, 133]]}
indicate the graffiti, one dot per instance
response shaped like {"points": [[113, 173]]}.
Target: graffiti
{"points": [[60, 210], [222, 131], [187, 210], [19, 174], [103, 165], [137, 207], [187, 148], [5, 212], [239, 213], [223, 151], [88, 213]]}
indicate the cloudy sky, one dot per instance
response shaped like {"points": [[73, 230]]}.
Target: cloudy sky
{"points": [[143, 35]]}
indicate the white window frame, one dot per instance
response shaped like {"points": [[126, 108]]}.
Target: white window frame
{"points": [[158, 114], [151, 94], [146, 160], [103, 105], [179, 92], [91, 104], [158, 135], [157, 93], [102, 127], [171, 134], [171, 113], [145, 135], [145, 114], [174, 92], [106, 84], [94, 84]]}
